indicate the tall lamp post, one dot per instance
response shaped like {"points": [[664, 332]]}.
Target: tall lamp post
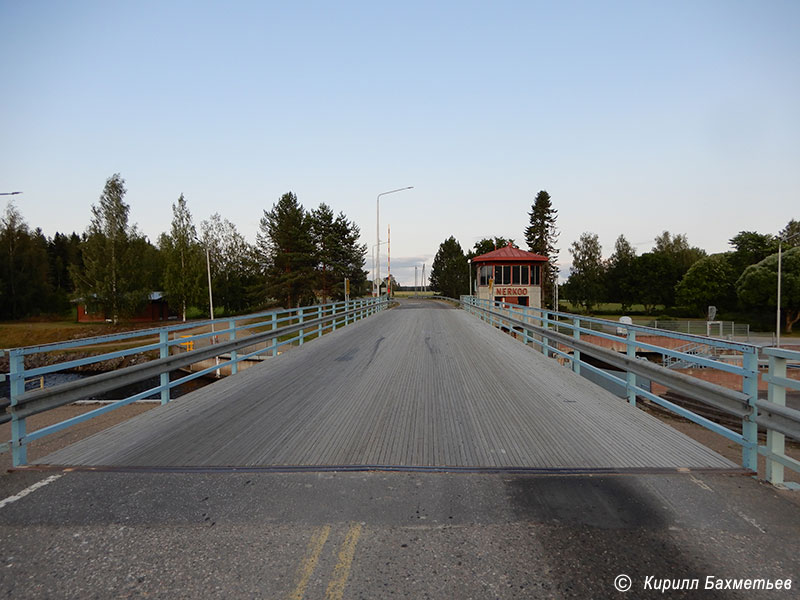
{"points": [[378, 230], [208, 270], [778, 308], [9, 193]]}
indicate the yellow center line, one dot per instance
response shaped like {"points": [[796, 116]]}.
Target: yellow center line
{"points": [[310, 561], [341, 572]]}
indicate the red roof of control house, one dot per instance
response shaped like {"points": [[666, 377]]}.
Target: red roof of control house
{"points": [[509, 253]]}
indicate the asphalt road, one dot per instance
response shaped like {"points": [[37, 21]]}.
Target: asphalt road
{"points": [[384, 535]]}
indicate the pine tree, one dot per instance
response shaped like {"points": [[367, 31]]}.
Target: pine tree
{"points": [[541, 236], [287, 252]]}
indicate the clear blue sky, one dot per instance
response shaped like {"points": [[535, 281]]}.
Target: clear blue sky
{"points": [[635, 116]]}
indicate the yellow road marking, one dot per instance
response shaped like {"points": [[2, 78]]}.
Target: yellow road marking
{"points": [[310, 562], [341, 572]]}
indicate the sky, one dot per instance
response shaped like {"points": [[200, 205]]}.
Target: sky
{"points": [[636, 117]]}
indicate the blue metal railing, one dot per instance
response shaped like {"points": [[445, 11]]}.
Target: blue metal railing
{"points": [[263, 333], [553, 331]]}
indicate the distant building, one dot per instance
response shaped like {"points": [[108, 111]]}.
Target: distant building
{"points": [[510, 275], [156, 309]]}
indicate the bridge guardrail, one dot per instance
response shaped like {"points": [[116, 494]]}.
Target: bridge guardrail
{"points": [[284, 327], [544, 328]]}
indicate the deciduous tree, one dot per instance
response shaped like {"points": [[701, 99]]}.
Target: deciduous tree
{"points": [[183, 258], [585, 283], [109, 279], [620, 276], [449, 274], [709, 281], [758, 285]]}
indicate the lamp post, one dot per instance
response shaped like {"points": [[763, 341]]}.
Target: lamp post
{"points": [[208, 269], [378, 228], [778, 308], [375, 283], [9, 193]]}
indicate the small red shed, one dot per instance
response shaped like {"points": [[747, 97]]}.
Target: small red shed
{"points": [[510, 275]]}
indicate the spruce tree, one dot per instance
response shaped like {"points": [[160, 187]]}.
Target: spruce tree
{"points": [[541, 236]]}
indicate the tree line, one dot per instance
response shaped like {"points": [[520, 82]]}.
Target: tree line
{"points": [[675, 275], [300, 257]]}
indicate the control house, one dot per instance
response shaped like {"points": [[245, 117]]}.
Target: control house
{"points": [[509, 275]]}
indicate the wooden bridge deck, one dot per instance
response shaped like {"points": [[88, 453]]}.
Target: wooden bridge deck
{"points": [[422, 385]]}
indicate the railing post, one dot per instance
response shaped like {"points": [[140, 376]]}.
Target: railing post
{"points": [[19, 449], [319, 316], [749, 426], [234, 354], [631, 377], [302, 333], [576, 354], [545, 326], [163, 352], [274, 339], [333, 314], [775, 440]]}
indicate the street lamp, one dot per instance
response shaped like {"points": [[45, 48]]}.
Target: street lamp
{"points": [[778, 308], [9, 193], [378, 226], [208, 269], [375, 286]]}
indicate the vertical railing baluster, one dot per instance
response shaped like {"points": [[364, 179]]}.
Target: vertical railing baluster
{"points": [[749, 426], [234, 354], [274, 339], [576, 354], [19, 448], [776, 443], [545, 341], [630, 378], [301, 336], [163, 352]]}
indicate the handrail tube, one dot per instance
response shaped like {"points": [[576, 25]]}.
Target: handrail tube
{"points": [[688, 337], [34, 402], [730, 401], [782, 418]]}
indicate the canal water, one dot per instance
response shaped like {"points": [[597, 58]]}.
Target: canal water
{"points": [[52, 379]]}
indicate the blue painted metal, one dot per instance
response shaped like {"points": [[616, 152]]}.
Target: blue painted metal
{"points": [[749, 426], [631, 377], [271, 319], [164, 353], [234, 353], [16, 363], [576, 354]]}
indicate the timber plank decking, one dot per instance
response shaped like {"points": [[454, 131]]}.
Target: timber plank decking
{"points": [[420, 385]]}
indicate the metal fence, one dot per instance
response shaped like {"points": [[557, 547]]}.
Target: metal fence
{"points": [[718, 329], [560, 335], [258, 334]]}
